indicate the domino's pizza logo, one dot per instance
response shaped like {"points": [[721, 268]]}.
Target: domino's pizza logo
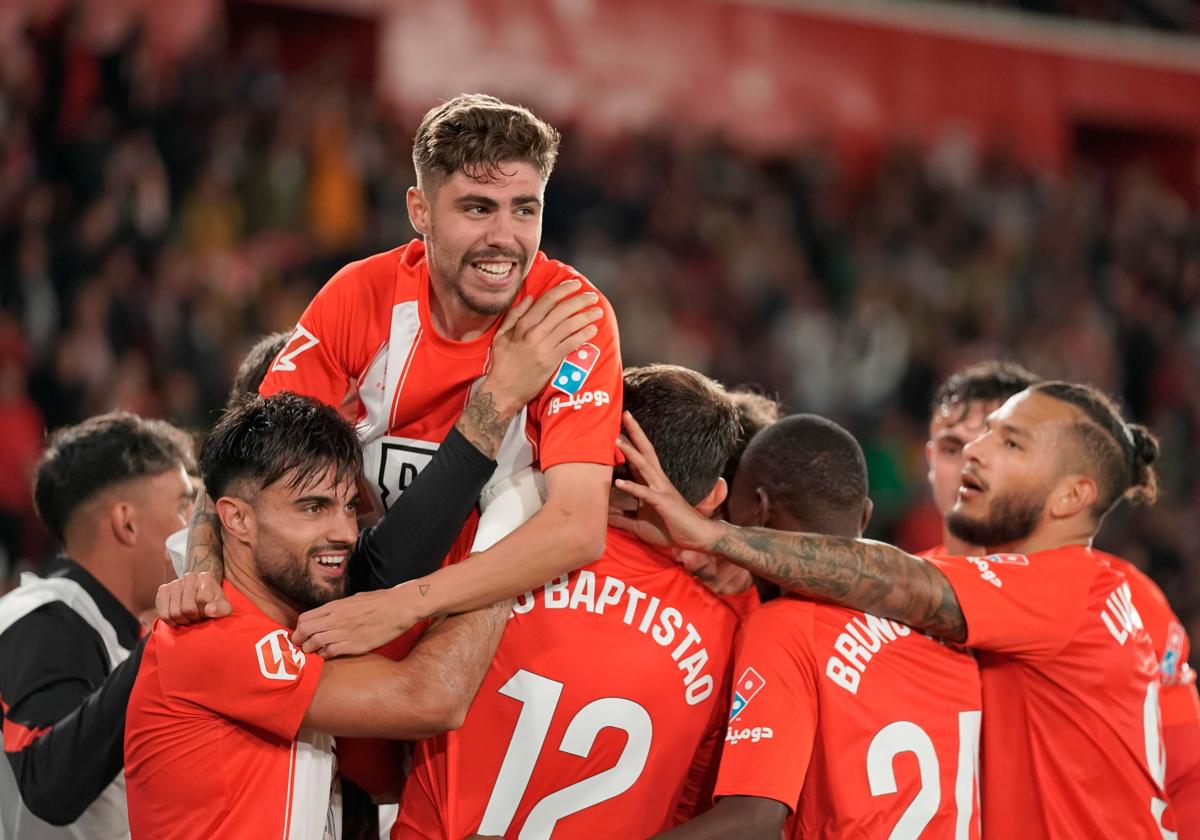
{"points": [[574, 370], [748, 685]]}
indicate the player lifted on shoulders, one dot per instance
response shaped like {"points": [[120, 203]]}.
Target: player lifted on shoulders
{"points": [[1051, 619], [829, 699], [398, 340], [610, 684]]}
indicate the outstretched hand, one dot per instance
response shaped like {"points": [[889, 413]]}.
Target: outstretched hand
{"points": [[536, 335], [665, 517]]}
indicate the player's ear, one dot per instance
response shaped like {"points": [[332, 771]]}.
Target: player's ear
{"points": [[237, 518], [868, 509], [1073, 495], [762, 508], [123, 520], [419, 210], [929, 461], [716, 496]]}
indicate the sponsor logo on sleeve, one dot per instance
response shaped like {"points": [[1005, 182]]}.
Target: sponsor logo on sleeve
{"points": [[574, 370], [578, 401], [744, 690], [1172, 659], [984, 566], [1009, 559], [278, 658]]}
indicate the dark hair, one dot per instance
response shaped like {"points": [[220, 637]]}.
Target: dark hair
{"points": [[990, 381], [1119, 455], [813, 468], [82, 460], [263, 440], [755, 411], [689, 419], [474, 134], [253, 369]]}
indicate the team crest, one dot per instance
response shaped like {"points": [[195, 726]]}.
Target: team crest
{"points": [[748, 685], [574, 370]]}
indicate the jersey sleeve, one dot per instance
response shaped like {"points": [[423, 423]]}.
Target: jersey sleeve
{"points": [[1019, 605], [579, 410], [774, 710], [1177, 700], [330, 347], [242, 668]]}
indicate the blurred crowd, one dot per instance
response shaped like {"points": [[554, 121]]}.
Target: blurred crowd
{"points": [[156, 222]]}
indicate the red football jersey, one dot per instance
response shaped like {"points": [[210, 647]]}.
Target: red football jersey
{"points": [[1072, 744], [1177, 698], [606, 697], [863, 727], [213, 745], [366, 344]]}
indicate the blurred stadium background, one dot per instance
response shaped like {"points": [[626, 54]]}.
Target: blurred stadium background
{"points": [[839, 202]]}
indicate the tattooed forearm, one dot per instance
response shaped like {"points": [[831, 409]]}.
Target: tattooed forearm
{"points": [[872, 577], [483, 423], [204, 539]]}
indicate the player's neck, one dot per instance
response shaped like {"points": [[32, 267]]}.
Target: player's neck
{"points": [[954, 547], [239, 572], [452, 318], [1044, 539], [112, 570]]}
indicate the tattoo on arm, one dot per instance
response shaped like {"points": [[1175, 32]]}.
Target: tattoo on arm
{"points": [[483, 424], [204, 540], [872, 577]]}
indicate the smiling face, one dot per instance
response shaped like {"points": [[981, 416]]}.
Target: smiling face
{"points": [[480, 236], [1010, 472], [303, 538]]}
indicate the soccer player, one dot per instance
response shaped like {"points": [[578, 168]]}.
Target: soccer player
{"points": [[829, 699], [610, 683], [110, 489], [1071, 743], [229, 725], [398, 339], [960, 409], [959, 413], [755, 411]]}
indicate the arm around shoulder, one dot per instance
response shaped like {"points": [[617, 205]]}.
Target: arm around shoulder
{"points": [[425, 694]]}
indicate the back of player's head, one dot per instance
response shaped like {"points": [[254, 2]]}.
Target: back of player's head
{"points": [[81, 461], [475, 134], [254, 367], [813, 469], [755, 411], [690, 421], [262, 440], [1120, 456], [992, 381]]}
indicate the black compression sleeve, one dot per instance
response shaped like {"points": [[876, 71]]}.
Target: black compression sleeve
{"points": [[414, 535], [61, 772]]}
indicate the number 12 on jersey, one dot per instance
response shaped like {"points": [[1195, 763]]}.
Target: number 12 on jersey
{"points": [[539, 697]]}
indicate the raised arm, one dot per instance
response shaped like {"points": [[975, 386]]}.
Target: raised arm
{"points": [[426, 693], [861, 574]]}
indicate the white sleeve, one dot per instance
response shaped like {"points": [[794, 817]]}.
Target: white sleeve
{"points": [[506, 504]]}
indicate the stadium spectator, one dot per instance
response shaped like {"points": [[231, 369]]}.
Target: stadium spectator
{"points": [[629, 643], [814, 730], [1051, 620], [110, 490]]}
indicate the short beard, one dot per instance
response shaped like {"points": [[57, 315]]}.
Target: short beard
{"points": [[294, 582], [1010, 519]]}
